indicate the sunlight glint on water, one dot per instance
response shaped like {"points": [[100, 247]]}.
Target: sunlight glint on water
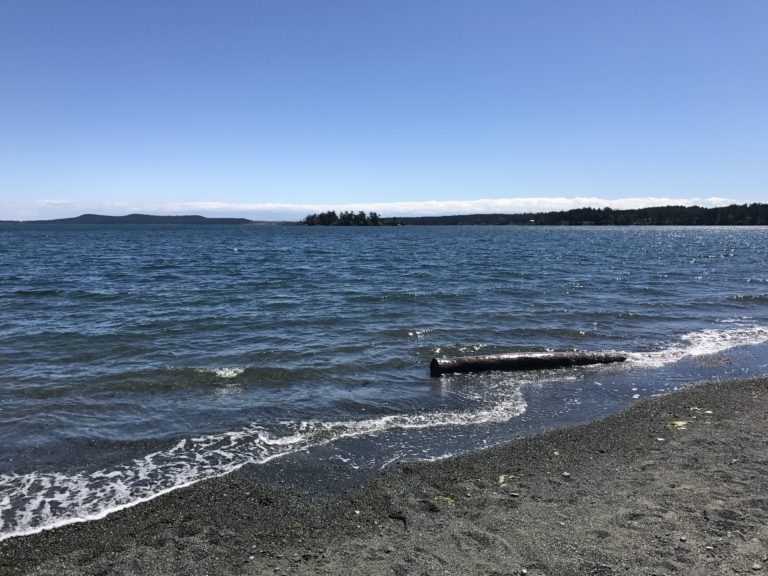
{"points": [[137, 359]]}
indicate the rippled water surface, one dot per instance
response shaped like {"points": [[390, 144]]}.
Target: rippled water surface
{"points": [[135, 359]]}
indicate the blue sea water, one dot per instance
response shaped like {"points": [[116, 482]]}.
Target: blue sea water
{"points": [[138, 359]]}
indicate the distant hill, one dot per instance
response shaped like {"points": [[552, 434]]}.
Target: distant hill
{"points": [[733, 215], [141, 219]]}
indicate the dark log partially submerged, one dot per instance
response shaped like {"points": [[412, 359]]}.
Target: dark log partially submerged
{"points": [[521, 361]]}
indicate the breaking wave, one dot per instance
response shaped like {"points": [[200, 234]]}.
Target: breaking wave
{"points": [[702, 343], [35, 501]]}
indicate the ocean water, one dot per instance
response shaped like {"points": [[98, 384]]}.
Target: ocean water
{"points": [[138, 359]]}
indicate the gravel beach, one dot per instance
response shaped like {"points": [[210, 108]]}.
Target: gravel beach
{"points": [[672, 485]]}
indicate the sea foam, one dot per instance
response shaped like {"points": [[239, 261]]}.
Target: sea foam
{"points": [[33, 502], [702, 343]]}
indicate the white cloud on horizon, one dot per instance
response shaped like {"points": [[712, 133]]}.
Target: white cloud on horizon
{"points": [[42, 209]]}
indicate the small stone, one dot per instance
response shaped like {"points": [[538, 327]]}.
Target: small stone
{"points": [[709, 547], [683, 538], [566, 474], [515, 494], [523, 571], [757, 566], [251, 557]]}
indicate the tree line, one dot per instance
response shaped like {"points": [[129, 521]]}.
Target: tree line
{"points": [[733, 215], [342, 219]]}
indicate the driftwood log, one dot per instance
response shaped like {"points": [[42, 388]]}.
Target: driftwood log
{"points": [[521, 361]]}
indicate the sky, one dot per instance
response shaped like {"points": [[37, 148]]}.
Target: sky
{"points": [[274, 109]]}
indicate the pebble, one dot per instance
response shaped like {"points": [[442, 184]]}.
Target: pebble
{"points": [[757, 566], [566, 474], [515, 494], [683, 538], [523, 571]]}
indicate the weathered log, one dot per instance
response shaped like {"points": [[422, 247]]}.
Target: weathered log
{"points": [[521, 361]]}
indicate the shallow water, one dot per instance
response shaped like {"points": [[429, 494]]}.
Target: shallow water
{"points": [[136, 359]]}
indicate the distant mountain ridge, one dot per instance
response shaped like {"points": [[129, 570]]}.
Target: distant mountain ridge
{"points": [[141, 219]]}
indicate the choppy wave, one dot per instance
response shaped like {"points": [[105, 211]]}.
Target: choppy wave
{"points": [[751, 298], [225, 372], [39, 293]]}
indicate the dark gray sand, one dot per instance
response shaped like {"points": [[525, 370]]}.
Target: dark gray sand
{"points": [[672, 485]]}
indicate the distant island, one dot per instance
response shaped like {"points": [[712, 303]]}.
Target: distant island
{"points": [[141, 219], [343, 219], [733, 215]]}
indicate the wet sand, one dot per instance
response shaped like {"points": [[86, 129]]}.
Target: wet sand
{"points": [[671, 485]]}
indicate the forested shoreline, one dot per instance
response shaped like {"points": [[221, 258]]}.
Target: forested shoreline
{"points": [[733, 215]]}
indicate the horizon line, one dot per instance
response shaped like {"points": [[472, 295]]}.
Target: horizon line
{"points": [[284, 220], [50, 209]]}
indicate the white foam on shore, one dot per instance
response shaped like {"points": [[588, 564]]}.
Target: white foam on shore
{"points": [[702, 343], [33, 502]]}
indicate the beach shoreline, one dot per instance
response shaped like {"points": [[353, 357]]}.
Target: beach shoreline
{"points": [[676, 484]]}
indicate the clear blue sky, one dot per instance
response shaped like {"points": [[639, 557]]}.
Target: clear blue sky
{"points": [[270, 109]]}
